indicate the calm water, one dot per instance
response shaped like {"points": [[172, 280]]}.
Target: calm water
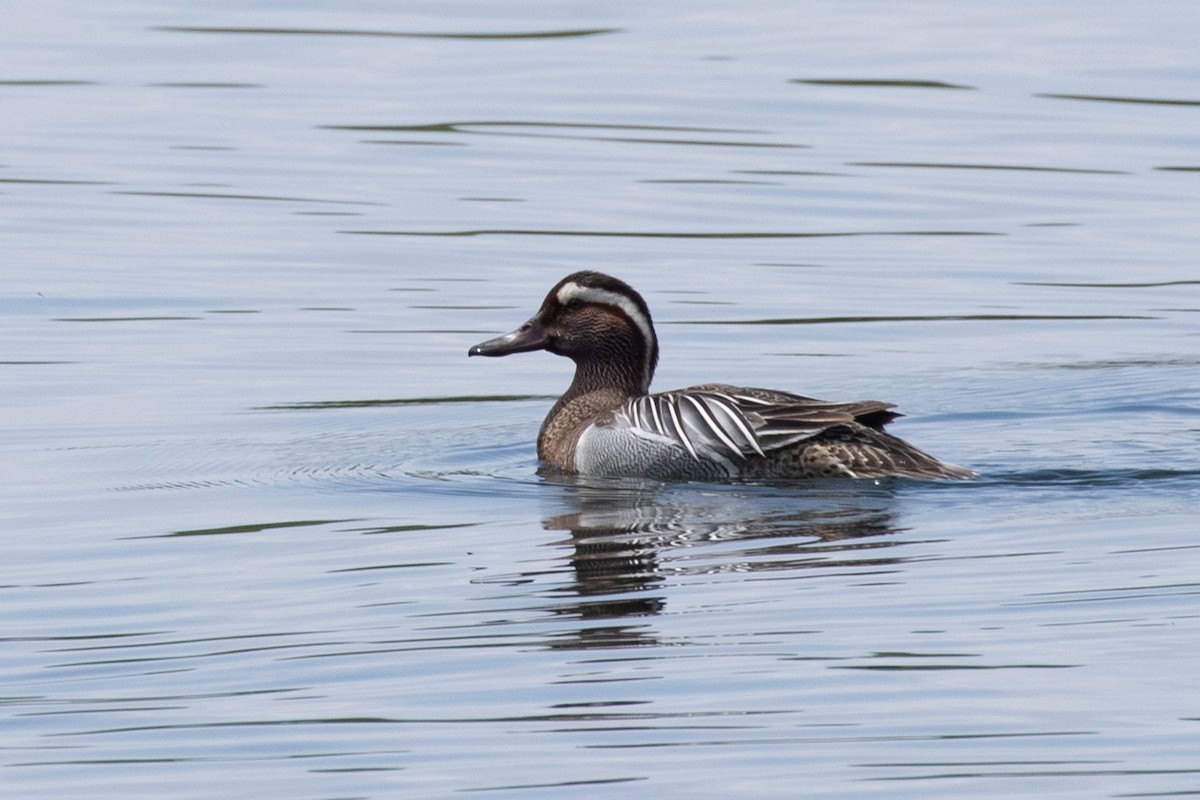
{"points": [[267, 529]]}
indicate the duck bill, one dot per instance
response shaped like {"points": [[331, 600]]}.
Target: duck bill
{"points": [[529, 336]]}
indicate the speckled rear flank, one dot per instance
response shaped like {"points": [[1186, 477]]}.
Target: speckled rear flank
{"points": [[853, 451]]}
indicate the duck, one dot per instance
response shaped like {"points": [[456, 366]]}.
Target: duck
{"points": [[608, 424]]}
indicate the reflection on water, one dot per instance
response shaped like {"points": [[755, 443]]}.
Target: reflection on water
{"points": [[630, 540]]}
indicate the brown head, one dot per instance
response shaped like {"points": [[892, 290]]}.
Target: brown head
{"points": [[597, 321]]}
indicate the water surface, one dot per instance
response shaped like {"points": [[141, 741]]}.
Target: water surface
{"points": [[269, 530]]}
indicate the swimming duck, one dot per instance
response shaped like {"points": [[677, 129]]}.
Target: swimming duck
{"points": [[607, 423]]}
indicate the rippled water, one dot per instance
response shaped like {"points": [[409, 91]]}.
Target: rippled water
{"points": [[268, 529]]}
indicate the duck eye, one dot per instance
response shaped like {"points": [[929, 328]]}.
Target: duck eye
{"points": [[574, 303]]}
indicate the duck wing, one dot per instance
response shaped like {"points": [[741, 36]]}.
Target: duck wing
{"points": [[720, 421]]}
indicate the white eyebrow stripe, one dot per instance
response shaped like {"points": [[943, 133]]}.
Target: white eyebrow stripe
{"points": [[590, 294]]}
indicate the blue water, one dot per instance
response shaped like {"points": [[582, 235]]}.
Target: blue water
{"points": [[268, 530]]}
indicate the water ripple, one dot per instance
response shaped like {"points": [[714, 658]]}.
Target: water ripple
{"points": [[633, 234], [881, 83], [1131, 478], [994, 167], [905, 318], [480, 126], [1098, 98], [403, 401], [565, 33]]}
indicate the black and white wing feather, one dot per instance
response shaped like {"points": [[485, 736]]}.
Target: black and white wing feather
{"points": [[721, 422]]}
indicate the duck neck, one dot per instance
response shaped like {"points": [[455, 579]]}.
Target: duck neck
{"points": [[608, 377]]}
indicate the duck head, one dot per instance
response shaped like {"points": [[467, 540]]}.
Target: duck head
{"points": [[599, 322]]}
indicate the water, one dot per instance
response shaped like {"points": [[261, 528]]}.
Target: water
{"points": [[267, 529]]}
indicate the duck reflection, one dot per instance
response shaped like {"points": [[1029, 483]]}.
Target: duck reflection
{"points": [[630, 540]]}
